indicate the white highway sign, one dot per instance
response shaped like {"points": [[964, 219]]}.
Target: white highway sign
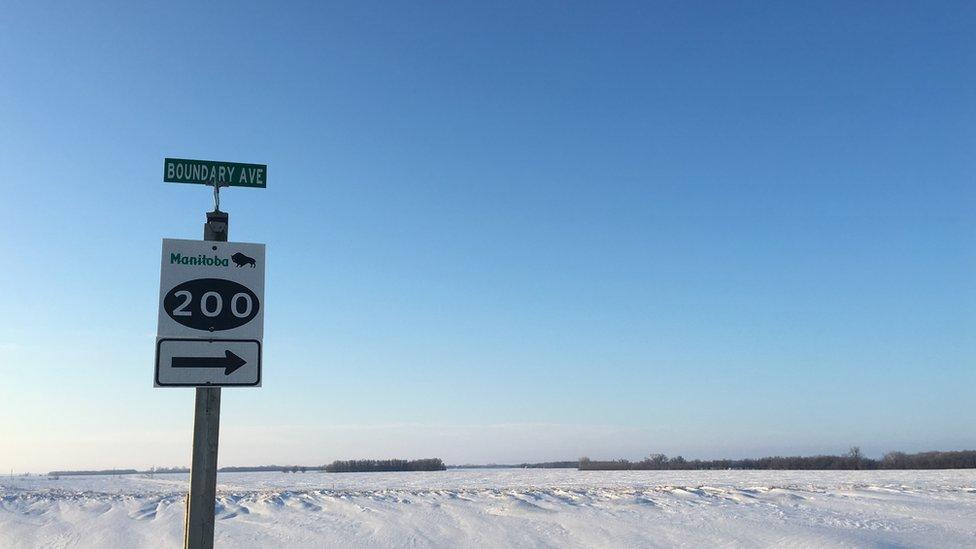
{"points": [[211, 314]]}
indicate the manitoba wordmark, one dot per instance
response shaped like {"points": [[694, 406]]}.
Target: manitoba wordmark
{"points": [[212, 172], [197, 260]]}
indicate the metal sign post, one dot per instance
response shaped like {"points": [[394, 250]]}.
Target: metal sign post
{"points": [[211, 325]]}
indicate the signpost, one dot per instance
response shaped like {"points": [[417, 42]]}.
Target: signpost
{"points": [[211, 325]]}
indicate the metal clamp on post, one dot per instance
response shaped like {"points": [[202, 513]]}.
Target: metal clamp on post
{"points": [[216, 226], [216, 187]]}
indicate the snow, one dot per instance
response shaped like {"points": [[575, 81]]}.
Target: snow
{"points": [[504, 508]]}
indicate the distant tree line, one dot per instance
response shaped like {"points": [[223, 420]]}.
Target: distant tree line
{"points": [[176, 469], [853, 460], [272, 468], [549, 465], [98, 472], [542, 465], [383, 465]]}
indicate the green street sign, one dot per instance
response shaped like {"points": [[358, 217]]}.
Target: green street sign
{"points": [[211, 172]]}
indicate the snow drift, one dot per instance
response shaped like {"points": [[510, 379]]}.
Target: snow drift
{"points": [[504, 508]]}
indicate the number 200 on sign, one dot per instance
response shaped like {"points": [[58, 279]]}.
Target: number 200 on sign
{"points": [[211, 304]]}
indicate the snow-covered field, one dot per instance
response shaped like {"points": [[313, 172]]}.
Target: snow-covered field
{"points": [[505, 508]]}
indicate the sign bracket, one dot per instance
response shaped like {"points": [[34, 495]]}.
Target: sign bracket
{"points": [[216, 191]]}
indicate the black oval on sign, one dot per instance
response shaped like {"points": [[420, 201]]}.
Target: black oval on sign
{"points": [[211, 304]]}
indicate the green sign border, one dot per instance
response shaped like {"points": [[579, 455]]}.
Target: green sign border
{"points": [[213, 167]]}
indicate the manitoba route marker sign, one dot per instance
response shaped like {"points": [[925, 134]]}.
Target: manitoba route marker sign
{"points": [[211, 314]]}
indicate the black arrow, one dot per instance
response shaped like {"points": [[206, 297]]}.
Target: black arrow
{"points": [[230, 362]]}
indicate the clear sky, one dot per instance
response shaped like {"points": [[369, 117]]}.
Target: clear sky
{"points": [[499, 232]]}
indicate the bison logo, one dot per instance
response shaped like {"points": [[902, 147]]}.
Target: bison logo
{"points": [[240, 260]]}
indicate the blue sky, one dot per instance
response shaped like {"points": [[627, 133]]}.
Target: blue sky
{"points": [[499, 232]]}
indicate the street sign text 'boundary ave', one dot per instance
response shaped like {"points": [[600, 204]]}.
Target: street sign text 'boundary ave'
{"points": [[213, 172]]}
